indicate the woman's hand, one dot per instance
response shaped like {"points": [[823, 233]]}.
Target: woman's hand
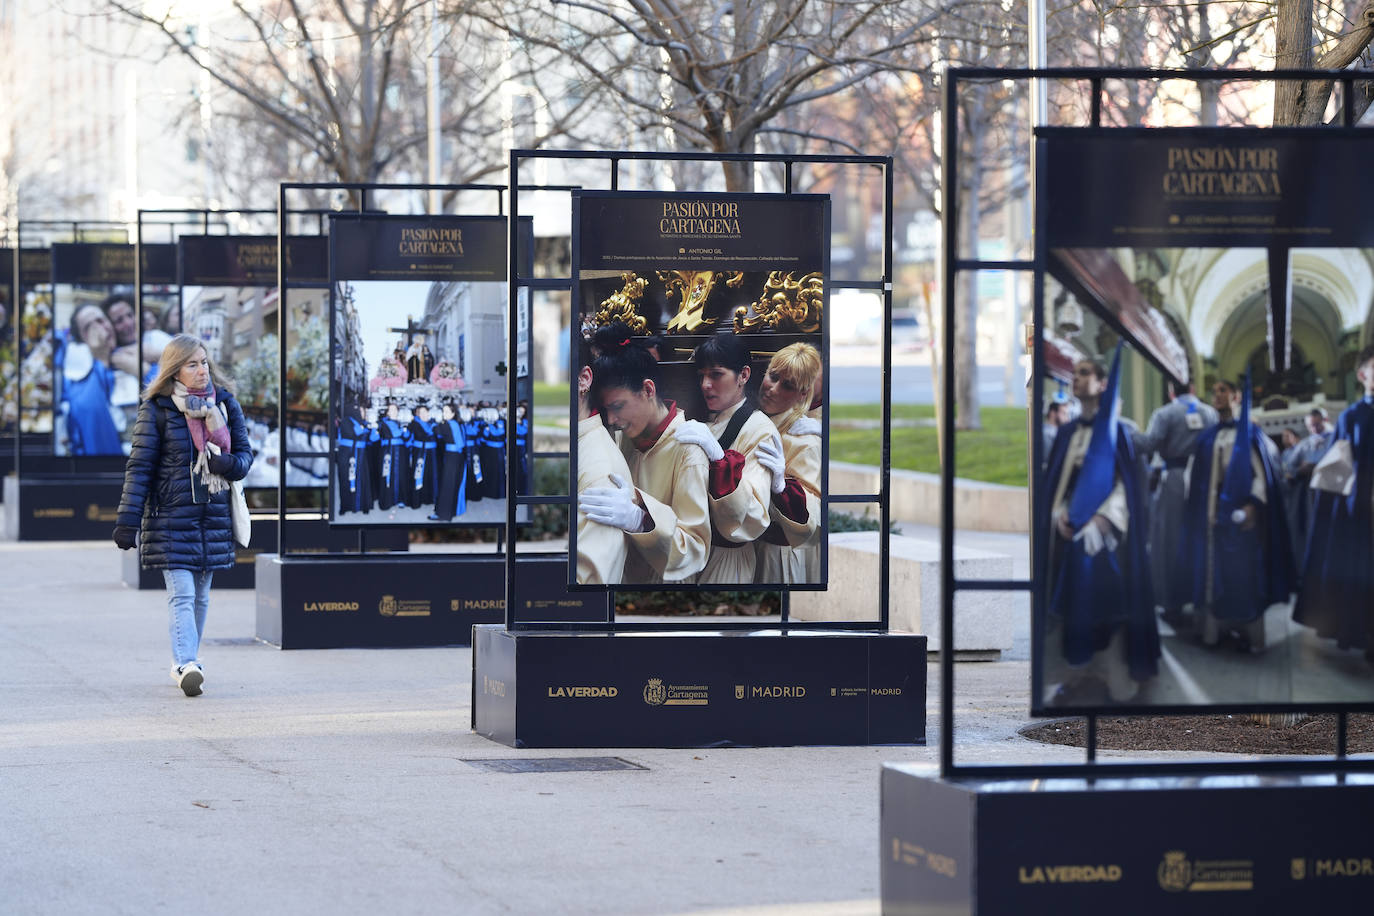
{"points": [[125, 538], [220, 463]]}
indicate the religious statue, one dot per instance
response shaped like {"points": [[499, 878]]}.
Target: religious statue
{"points": [[419, 359]]}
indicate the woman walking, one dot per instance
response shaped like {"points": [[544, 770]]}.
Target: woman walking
{"points": [[189, 442]]}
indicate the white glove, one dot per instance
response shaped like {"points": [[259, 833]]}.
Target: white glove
{"points": [[1237, 516], [614, 505], [804, 426], [769, 454], [1092, 538], [695, 432]]}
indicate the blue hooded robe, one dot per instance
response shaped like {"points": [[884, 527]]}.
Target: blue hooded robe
{"points": [[1337, 597], [1095, 596], [1249, 570]]}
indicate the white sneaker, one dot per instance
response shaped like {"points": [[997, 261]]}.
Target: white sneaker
{"points": [[189, 679]]}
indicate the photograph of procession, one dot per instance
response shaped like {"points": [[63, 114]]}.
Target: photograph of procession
{"points": [[1207, 536], [700, 449], [239, 327], [419, 415]]}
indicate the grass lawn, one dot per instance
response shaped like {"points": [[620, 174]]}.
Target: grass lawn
{"points": [[995, 454], [551, 394]]}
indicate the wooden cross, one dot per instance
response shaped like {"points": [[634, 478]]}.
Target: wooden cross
{"points": [[411, 329]]}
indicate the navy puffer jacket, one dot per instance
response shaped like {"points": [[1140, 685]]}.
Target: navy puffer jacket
{"points": [[177, 532]]}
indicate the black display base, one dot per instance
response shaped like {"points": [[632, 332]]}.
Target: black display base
{"points": [[1220, 845], [555, 688], [314, 531], [65, 508], [395, 600]]}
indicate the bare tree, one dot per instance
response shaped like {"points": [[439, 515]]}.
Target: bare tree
{"points": [[715, 76], [334, 89], [1322, 37]]}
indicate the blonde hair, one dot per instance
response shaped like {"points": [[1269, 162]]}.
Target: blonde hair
{"points": [[800, 364], [175, 355]]}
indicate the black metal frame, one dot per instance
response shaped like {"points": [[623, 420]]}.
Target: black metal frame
{"points": [[568, 284], [333, 281], [952, 263], [284, 214]]}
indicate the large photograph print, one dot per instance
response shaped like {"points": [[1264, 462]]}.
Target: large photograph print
{"points": [[698, 358], [419, 411], [230, 301], [1208, 476], [102, 354], [34, 344]]}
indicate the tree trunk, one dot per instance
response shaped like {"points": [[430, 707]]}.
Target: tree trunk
{"points": [[965, 330], [1209, 92], [739, 176], [1293, 51]]}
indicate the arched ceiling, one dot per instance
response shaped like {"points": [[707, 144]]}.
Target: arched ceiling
{"points": [[1206, 286]]}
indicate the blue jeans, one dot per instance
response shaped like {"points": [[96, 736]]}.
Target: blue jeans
{"points": [[188, 597]]}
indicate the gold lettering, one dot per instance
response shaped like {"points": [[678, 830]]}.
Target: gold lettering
{"points": [[1068, 874], [778, 692], [1344, 868], [700, 217], [253, 258], [331, 605], [584, 692], [430, 241], [1222, 171]]}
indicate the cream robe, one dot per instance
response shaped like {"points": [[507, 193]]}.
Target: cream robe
{"points": [[799, 559], [1113, 507], [741, 516], [601, 549], [670, 480]]}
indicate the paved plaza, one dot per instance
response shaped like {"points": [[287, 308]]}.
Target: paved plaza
{"points": [[343, 780]]}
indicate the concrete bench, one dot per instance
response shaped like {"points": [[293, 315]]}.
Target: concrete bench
{"points": [[984, 624]]}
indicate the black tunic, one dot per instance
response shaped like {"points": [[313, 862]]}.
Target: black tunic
{"points": [[393, 464], [453, 470], [352, 469], [423, 453], [472, 430], [494, 459]]}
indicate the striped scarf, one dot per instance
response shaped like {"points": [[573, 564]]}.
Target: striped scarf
{"points": [[207, 424]]}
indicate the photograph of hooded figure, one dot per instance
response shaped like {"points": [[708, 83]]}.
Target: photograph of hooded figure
{"points": [[1337, 597], [1171, 434], [493, 453], [393, 441], [352, 464], [663, 506], [452, 454], [423, 452], [1102, 641], [1297, 464], [1234, 556]]}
